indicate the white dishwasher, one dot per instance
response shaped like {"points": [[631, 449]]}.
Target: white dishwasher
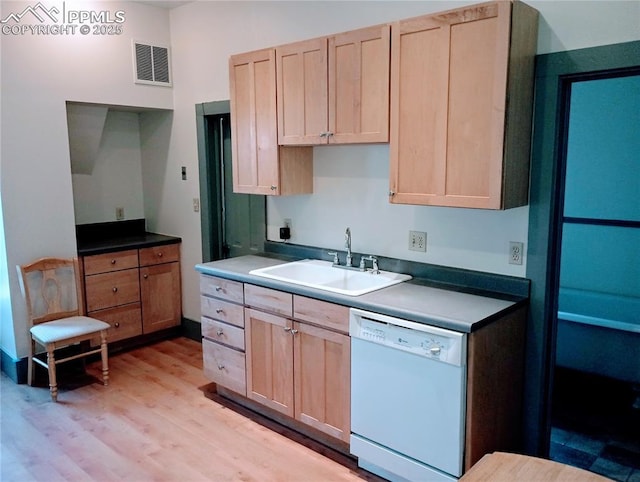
{"points": [[407, 398]]}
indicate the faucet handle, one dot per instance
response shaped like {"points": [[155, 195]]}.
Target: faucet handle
{"points": [[336, 261]]}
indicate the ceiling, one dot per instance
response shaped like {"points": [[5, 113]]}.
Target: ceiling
{"points": [[169, 4]]}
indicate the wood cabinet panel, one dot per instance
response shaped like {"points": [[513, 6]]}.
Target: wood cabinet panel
{"points": [[107, 262], [223, 333], [160, 296], [268, 299], [269, 358], [222, 310], [107, 290], [302, 92], [125, 321], [322, 380], [222, 288], [334, 89], [359, 86], [159, 254], [260, 166], [328, 315], [455, 140], [224, 365]]}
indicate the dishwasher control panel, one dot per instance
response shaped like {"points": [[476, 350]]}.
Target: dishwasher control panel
{"points": [[428, 341]]}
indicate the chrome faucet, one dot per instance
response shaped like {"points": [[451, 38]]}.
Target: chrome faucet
{"points": [[347, 244]]}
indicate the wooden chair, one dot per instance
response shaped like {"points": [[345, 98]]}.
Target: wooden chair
{"points": [[55, 308]]}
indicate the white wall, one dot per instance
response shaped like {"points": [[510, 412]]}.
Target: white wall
{"points": [[350, 183], [40, 73], [116, 177]]}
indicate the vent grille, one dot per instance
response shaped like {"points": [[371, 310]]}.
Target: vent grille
{"points": [[152, 64]]}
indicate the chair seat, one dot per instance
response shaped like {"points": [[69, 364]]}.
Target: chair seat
{"points": [[64, 328]]}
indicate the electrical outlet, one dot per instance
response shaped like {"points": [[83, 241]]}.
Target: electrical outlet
{"points": [[516, 252], [119, 214], [418, 241], [183, 172], [196, 205]]}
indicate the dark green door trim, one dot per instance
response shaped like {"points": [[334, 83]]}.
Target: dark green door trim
{"points": [[210, 181], [554, 74]]}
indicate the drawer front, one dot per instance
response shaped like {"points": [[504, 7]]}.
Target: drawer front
{"points": [[107, 290], [125, 321], [222, 310], [223, 333], [221, 288], [268, 299], [327, 315], [224, 366], [167, 253], [107, 262]]}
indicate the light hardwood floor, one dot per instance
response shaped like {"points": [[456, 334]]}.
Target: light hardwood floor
{"points": [[153, 422]]}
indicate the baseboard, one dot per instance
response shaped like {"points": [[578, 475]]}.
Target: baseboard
{"points": [[192, 329], [16, 370]]}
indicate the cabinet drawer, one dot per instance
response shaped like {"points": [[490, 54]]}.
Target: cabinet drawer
{"points": [[268, 299], [107, 262], [107, 290], [168, 253], [224, 366], [222, 310], [221, 288], [125, 321], [321, 313], [223, 333]]}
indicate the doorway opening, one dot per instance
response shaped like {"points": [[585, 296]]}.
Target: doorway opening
{"points": [[232, 224], [595, 405]]}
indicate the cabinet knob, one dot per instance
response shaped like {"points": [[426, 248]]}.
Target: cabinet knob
{"points": [[219, 332], [218, 288], [293, 332], [160, 254], [115, 289], [113, 261], [273, 188], [145, 276], [219, 310], [287, 328], [392, 193], [220, 366], [117, 324]]}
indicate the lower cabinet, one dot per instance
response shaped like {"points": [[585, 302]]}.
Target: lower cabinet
{"points": [[289, 353], [136, 291]]}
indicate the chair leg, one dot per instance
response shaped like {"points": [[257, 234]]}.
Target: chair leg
{"points": [[105, 357], [51, 365], [32, 350]]}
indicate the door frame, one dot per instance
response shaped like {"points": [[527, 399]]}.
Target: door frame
{"points": [[554, 74], [210, 222]]}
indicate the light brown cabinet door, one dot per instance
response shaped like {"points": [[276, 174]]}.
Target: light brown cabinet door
{"points": [[359, 86], [322, 380], [302, 92], [259, 165], [252, 78], [449, 80], [269, 360], [160, 296]]}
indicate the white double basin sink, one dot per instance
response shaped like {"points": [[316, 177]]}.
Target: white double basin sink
{"points": [[323, 275]]}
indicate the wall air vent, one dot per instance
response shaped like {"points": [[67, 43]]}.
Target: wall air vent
{"points": [[151, 64]]}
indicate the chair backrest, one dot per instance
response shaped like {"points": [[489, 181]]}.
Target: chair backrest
{"points": [[52, 289]]}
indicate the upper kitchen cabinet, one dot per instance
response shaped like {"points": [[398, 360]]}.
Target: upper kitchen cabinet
{"points": [[461, 105], [259, 165], [335, 90]]}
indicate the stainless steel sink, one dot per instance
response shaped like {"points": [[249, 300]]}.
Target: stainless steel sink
{"points": [[323, 275]]}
